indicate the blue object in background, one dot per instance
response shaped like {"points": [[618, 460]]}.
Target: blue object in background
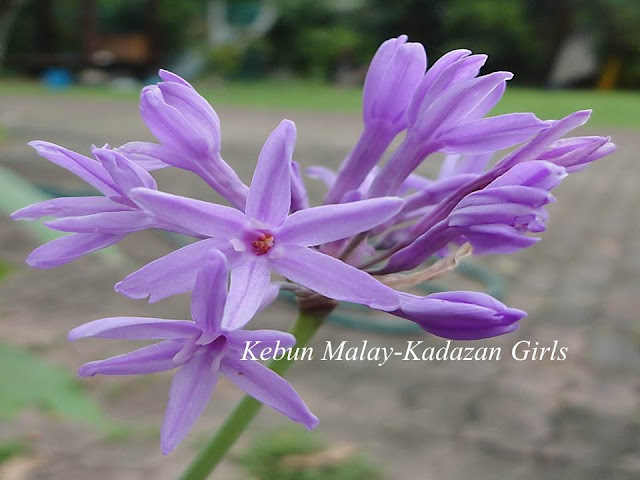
{"points": [[57, 78]]}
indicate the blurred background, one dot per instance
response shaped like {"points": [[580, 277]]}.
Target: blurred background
{"points": [[70, 73]]}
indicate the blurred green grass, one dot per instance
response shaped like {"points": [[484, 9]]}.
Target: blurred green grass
{"points": [[611, 108]]}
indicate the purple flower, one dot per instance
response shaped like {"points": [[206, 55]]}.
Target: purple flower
{"points": [[189, 131], [263, 239], [98, 221], [495, 219], [446, 115], [460, 315], [394, 74], [543, 145], [201, 350]]}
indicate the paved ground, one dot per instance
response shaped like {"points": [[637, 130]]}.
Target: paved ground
{"points": [[577, 419]]}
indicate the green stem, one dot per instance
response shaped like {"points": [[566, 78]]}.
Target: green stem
{"points": [[213, 452]]}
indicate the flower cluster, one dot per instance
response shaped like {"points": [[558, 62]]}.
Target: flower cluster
{"points": [[379, 219]]}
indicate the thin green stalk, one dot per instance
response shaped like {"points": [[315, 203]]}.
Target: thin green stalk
{"points": [[214, 451]]}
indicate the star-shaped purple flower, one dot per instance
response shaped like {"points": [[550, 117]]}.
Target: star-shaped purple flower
{"points": [[264, 238], [201, 350]]}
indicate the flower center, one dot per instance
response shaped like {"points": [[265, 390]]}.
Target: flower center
{"points": [[263, 243]]}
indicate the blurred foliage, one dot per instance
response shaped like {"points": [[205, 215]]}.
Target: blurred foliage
{"points": [[27, 381], [323, 38], [501, 28], [5, 269], [12, 448], [296, 454]]}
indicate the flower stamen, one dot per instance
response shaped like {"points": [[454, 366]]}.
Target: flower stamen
{"points": [[263, 244]]}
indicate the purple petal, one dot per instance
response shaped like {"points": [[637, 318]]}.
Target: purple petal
{"points": [[150, 156], [270, 296], [606, 149], [210, 292], [536, 173], [170, 275], [333, 278], [432, 74], [450, 109], [473, 163], [202, 218], [168, 76], [462, 70], [460, 315], [195, 109], [328, 223], [134, 328], [357, 169], [65, 249], [267, 338], [394, 75], [544, 139], [497, 239], [322, 174], [108, 222], [268, 387], [249, 284], [492, 133], [504, 213], [67, 207], [422, 248], [487, 104], [171, 127], [269, 197], [190, 392], [154, 358], [125, 173], [517, 194], [299, 198], [86, 168], [437, 191]]}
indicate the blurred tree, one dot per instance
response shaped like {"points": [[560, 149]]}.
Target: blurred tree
{"points": [[615, 25], [317, 38], [8, 14], [501, 28]]}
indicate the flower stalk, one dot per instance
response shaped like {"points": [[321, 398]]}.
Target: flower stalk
{"points": [[304, 328]]}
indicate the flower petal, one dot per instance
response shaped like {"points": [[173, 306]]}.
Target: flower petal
{"points": [[299, 197], [65, 249], [154, 358], [170, 275], [322, 174], [190, 392], [492, 133], [134, 328], [269, 197], [210, 292], [432, 74], [333, 278], [268, 387], [170, 126], [268, 339], [150, 156], [460, 315], [67, 207], [86, 168], [202, 218], [108, 222], [544, 139], [314, 226], [497, 239], [249, 283], [125, 173]]}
